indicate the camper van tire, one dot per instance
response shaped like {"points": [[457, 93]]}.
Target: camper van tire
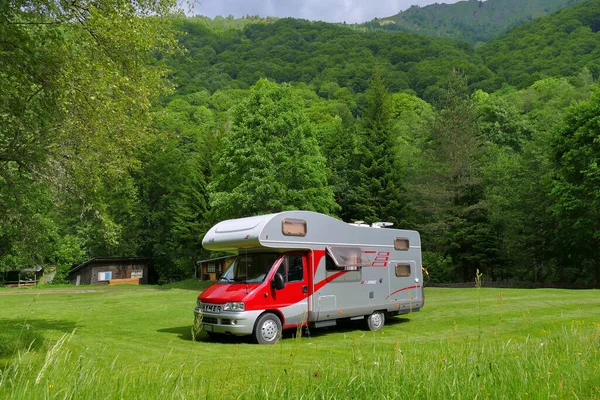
{"points": [[267, 329], [375, 321]]}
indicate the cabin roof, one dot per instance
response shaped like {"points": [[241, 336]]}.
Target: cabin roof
{"points": [[105, 260]]}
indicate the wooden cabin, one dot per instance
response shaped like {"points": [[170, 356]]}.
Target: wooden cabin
{"points": [[110, 271], [212, 269]]}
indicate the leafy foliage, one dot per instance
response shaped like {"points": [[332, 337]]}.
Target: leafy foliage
{"points": [[473, 21], [99, 158], [77, 85], [375, 191], [562, 44], [449, 194], [577, 198], [270, 161], [172, 188], [317, 53]]}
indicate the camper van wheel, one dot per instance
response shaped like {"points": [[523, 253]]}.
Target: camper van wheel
{"points": [[375, 321], [267, 329]]}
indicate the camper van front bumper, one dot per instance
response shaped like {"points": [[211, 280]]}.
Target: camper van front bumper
{"points": [[230, 323]]}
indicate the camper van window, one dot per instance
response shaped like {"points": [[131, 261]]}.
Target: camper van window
{"points": [[293, 227], [249, 268], [352, 274], [401, 243], [330, 264], [292, 268], [295, 268], [402, 270], [349, 257]]}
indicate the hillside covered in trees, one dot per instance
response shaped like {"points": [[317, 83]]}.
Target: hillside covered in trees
{"points": [[561, 44], [179, 122], [473, 21], [317, 53]]}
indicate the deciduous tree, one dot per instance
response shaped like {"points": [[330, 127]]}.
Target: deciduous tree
{"points": [[270, 161], [77, 80]]}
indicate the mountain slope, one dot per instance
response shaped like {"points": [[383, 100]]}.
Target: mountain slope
{"points": [[473, 21], [318, 53], [562, 44]]}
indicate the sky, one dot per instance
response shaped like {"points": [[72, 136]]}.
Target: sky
{"points": [[349, 11]]}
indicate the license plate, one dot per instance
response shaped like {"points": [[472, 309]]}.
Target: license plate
{"points": [[208, 328], [211, 308]]}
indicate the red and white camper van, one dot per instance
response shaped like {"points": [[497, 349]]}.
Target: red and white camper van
{"points": [[304, 268]]}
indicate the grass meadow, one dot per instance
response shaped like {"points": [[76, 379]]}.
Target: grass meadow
{"points": [[136, 343]]}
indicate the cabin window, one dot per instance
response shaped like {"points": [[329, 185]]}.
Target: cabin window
{"points": [[292, 268], [402, 270], [211, 268], [137, 273], [293, 227], [105, 276], [401, 243]]}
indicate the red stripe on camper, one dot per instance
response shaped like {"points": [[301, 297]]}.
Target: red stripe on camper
{"points": [[404, 288], [382, 259], [325, 281]]}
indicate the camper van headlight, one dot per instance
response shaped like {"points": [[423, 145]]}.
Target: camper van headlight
{"points": [[234, 306]]}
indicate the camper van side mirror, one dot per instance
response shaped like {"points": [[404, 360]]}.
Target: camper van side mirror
{"points": [[278, 282]]}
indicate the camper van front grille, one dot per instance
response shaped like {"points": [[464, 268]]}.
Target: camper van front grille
{"points": [[210, 320]]}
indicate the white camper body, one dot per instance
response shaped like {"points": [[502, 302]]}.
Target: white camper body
{"points": [[328, 270]]}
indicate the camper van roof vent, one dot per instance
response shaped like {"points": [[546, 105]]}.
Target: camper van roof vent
{"points": [[381, 224], [359, 223]]}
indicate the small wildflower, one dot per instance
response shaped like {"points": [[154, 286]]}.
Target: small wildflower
{"points": [[516, 357], [376, 363], [51, 386], [542, 344], [445, 361]]}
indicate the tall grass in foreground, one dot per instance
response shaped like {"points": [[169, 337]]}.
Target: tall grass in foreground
{"points": [[560, 364]]}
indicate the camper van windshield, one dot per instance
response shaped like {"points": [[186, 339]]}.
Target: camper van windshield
{"points": [[249, 268]]}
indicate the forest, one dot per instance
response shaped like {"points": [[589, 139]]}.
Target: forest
{"points": [[128, 129], [474, 21]]}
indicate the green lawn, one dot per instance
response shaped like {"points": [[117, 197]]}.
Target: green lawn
{"points": [[135, 342]]}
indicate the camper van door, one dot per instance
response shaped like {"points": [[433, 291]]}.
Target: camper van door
{"points": [[292, 300], [404, 286]]}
